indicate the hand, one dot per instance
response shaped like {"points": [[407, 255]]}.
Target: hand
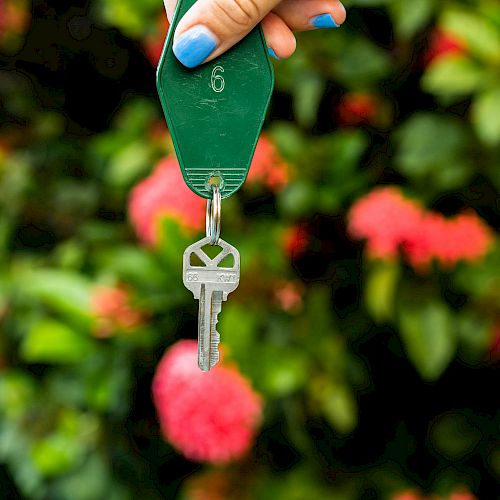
{"points": [[211, 27]]}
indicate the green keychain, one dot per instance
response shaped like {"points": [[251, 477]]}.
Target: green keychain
{"points": [[215, 113]]}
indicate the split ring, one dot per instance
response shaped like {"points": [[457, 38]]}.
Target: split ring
{"points": [[213, 216]]}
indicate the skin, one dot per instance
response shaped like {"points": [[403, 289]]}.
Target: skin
{"points": [[232, 20]]}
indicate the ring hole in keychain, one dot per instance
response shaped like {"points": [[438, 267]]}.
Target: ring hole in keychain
{"points": [[215, 179], [213, 215]]}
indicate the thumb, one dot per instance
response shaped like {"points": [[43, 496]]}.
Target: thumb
{"points": [[210, 27]]}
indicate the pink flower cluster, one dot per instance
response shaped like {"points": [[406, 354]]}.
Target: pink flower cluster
{"points": [[164, 194], [208, 417], [268, 167], [113, 311], [390, 222]]}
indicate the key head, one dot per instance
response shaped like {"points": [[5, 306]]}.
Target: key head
{"points": [[215, 278]]}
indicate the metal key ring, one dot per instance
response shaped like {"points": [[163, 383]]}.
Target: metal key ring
{"points": [[213, 216]]}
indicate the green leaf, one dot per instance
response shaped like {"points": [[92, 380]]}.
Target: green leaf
{"points": [[283, 370], [453, 77], [337, 404], [431, 150], [129, 163], [172, 242], [475, 335], [343, 153], [307, 92], [52, 342], [481, 36], [134, 18], [428, 333], [380, 290], [17, 391], [362, 63], [427, 141], [64, 291], [131, 264], [481, 280], [56, 454], [298, 199], [409, 17], [486, 116], [494, 460], [241, 323], [453, 436], [288, 139]]}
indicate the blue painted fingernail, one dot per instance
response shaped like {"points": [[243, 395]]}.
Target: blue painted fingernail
{"points": [[324, 21], [194, 46], [273, 54]]}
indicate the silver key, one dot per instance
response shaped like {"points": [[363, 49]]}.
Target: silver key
{"points": [[210, 285]]}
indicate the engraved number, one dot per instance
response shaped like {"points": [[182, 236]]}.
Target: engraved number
{"points": [[193, 277], [217, 81], [226, 278]]}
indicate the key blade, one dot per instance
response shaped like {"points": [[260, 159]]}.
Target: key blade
{"points": [[204, 327], [217, 298]]}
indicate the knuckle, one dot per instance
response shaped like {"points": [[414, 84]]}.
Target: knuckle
{"points": [[243, 13]]}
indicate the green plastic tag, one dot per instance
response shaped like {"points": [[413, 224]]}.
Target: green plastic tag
{"points": [[215, 112]]}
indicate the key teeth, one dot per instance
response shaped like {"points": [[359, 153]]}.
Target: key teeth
{"points": [[214, 349]]}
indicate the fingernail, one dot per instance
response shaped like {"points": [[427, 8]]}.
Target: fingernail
{"points": [[194, 46], [273, 54], [324, 21]]}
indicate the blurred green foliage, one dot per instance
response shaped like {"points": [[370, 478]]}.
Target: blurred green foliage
{"points": [[76, 421]]}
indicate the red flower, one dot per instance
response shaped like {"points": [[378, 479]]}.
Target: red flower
{"points": [[464, 237], [357, 108], [289, 296], [443, 44], [428, 240], [407, 495], [385, 218], [470, 238], [14, 18], [268, 167], [390, 222], [462, 494], [296, 240], [164, 193], [208, 417], [112, 309]]}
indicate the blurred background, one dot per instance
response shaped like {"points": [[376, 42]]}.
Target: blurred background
{"points": [[361, 350]]}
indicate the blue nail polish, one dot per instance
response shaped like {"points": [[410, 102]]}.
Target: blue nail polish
{"points": [[273, 54], [324, 21], [194, 46]]}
